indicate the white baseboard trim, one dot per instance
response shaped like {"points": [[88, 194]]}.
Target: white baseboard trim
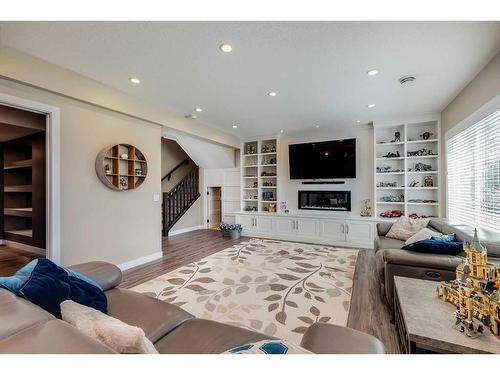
{"points": [[185, 230], [140, 261], [28, 248]]}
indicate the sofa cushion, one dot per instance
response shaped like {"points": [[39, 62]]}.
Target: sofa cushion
{"points": [[406, 227], [435, 247], [52, 337], [17, 314], [382, 242], [155, 317], [412, 258], [200, 336], [422, 234]]}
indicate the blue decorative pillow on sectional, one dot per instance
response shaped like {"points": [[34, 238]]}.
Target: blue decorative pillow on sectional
{"points": [[45, 284], [435, 247], [444, 238]]}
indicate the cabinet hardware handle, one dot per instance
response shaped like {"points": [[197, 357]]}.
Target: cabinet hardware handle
{"points": [[297, 224], [347, 229], [342, 228]]}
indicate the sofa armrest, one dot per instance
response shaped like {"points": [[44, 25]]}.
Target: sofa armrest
{"points": [[383, 228], [323, 338], [105, 274]]}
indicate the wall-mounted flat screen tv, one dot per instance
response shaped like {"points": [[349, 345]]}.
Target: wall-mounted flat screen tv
{"points": [[323, 160]]}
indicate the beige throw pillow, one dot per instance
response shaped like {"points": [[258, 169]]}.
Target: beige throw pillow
{"points": [[406, 227], [422, 234], [112, 332]]}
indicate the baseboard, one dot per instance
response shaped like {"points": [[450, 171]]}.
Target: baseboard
{"points": [[140, 261], [185, 230], [28, 248]]}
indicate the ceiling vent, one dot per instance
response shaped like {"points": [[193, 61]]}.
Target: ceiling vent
{"points": [[407, 80], [191, 117]]}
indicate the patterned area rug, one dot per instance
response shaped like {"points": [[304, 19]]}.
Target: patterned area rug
{"points": [[274, 287]]}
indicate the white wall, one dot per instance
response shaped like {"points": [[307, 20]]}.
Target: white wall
{"points": [[98, 223], [361, 187]]}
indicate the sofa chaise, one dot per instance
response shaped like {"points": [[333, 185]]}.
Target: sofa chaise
{"points": [[392, 261], [26, 328]]}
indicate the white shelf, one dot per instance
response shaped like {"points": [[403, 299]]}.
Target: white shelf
{"points": [[250, 166], [388, 173], [390, 203], [423, 188], [245, 188], [267, 201], [267, 165], [422, 157], [390, 144], [421, 141], [422, 172], [395, 158], [248, 177], [268, 176], [423, 203], [268, 187], [390, 188], [249, 200]]}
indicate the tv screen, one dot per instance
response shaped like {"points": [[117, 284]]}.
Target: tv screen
{"points": [[322, 160]]}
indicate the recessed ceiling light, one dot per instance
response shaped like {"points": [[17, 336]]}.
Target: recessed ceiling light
{"points": [[235, 126], [371, 105], [281, 131], [317, 126], [272, 93], [224, 47], [198, 109], [372, 72], [358, 121], [134, 80], [191, 116]]}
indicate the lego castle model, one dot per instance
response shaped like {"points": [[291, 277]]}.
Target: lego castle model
{"points": [[475, 292]]}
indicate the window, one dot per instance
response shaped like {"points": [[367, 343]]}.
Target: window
{"points": [[473, 165]]}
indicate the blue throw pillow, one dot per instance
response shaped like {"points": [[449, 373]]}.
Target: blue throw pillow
{"points": [[445, 238], [45, 284], [435, 247]]}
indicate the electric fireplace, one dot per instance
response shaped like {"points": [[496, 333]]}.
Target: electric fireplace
{"points": [[325, 200]]}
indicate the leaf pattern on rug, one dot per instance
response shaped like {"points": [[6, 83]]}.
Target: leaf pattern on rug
{"points": [[275, 287]]}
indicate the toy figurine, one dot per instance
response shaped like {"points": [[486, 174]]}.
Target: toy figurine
{"points": [[428, 181], [475, 291], [397, 137], [426, 135], [367, 210]]}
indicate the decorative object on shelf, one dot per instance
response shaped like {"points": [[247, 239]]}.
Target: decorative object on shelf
{"points": [[387, 169], [475, 292], [367, 209], [392, 155], [255, 184], [121, 167], [428, 181], [230, 230], [268, 174], [417, 216], [414, 183], [426, 135], [387, 184], [251, 208], [422, 167], [265, 149], [397, 137], [422, 201], [250, 149], [267, 196], [283, 208], [392, 198], [392, 213], [421, 152], [271, 207], [273, 149]]}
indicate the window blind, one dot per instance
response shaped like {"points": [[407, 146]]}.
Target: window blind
{"points": [[473, 180]]}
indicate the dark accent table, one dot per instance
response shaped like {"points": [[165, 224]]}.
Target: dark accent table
{"points": [[425, 324]]}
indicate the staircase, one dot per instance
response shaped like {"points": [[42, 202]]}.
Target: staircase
{"points": [[178, 200]]}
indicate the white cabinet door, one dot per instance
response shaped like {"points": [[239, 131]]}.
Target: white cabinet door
{"points": [[264, 224], [306, 227], [357, 231], [285, 225], [247, 222], [332, 230]]}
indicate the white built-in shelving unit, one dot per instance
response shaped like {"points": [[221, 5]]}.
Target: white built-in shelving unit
{"points": [[416, 198], [259, 175]]}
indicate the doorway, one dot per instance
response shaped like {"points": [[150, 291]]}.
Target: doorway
{"points": [[214, 209]]}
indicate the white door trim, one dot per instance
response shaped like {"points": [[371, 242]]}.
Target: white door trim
{"points": [[53, 164]]}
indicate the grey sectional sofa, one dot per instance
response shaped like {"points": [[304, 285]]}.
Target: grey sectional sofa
{"points": [[392, 261]]}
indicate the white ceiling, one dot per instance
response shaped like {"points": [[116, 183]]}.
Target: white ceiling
{"points": [[317, 68]]}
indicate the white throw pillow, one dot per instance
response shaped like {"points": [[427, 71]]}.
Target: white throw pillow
{"points": [[406, 227], [112, 332], [422, 234]]}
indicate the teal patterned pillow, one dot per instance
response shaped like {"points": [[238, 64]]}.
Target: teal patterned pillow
{"points": [[269, 347], [444, 238]]}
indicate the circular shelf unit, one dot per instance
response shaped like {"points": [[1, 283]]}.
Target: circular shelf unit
{"points": [[121, 167]]}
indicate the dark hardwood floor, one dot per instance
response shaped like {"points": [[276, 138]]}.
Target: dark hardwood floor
{"points": [[368, 312], [13, 259]]}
